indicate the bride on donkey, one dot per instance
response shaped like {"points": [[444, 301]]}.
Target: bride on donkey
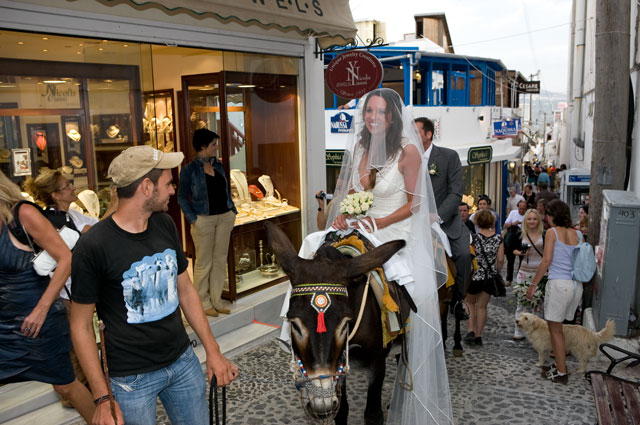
{"points": [[384, 157]]}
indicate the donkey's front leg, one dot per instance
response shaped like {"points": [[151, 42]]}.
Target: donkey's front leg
{"points": [[375, 378]]}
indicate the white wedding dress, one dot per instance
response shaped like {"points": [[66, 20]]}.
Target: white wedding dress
{"points": [[388, 195], [416, 266]]}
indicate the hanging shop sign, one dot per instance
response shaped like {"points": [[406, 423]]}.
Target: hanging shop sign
{"points": [[341, 122], [333, 157], [576, 178], [506, 128], [353, 74], [532, 87], [479, 155]]}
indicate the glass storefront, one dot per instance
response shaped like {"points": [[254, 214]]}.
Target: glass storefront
{"points": [[473, 177], [75, 103]]}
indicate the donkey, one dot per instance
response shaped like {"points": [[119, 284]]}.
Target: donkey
{"points": [[326, 299]]}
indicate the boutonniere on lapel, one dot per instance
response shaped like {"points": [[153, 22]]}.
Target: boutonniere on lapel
{"points": [[433, 169]]}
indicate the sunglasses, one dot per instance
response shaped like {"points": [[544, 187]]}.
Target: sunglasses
{"points": [[65, 187]]}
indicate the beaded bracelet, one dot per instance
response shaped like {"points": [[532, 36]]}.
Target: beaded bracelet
{"points": [[102, 399]]}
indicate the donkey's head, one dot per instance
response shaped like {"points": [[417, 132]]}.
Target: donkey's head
{"points": [[320, 312]]}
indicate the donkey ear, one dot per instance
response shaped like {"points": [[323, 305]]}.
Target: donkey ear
{"points": [[282, 247], [374, 258]]}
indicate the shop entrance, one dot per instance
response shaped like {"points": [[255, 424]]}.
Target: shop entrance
{"points": [[255, 115]]}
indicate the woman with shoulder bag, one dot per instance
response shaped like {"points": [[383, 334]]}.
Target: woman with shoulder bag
{"points": [[531, 248], [56, 194], [562, 293], [486, 281], [34, 336]]}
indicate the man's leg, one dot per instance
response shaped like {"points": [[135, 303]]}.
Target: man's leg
{"points": [[511, 261], [461, 257], [185, 396], [137, 395]]}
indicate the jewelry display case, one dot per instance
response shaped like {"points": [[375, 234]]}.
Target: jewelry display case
{"points": [[256, 118], [158, 128]]}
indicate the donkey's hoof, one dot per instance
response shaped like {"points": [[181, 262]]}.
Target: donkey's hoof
{"points": [[457, 352]]}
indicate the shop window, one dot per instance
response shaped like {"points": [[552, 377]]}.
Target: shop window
{"points": [[75, 103], [68, 103], [474, 183]]}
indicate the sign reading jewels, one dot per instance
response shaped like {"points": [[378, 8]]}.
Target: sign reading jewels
{"points": [[341, 122], [479, 155], [353, 74]]}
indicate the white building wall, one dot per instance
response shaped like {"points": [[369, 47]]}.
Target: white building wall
{"points": [[581, 88], [571, 155]]}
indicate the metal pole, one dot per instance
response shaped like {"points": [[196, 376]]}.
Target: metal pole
{"points": [[544, 138], [530, 102]]}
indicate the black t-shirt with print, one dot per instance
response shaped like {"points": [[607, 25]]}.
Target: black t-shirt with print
{"points": [[132, 278]]}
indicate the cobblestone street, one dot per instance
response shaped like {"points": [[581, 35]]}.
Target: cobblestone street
{"points": [[497, 383]]}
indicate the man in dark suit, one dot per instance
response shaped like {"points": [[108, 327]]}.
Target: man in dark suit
{"points": [[445, 171]]}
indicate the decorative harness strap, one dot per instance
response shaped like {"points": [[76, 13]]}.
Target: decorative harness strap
{"points": [[320, 298]]}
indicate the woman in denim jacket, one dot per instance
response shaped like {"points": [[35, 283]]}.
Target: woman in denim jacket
{"points": [[204, 196]]}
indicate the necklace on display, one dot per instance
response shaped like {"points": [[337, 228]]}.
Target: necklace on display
{"points": [[266, 182], [240, 181]]}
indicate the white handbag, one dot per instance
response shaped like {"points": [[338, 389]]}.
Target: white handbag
{"points": [[43, 262]]}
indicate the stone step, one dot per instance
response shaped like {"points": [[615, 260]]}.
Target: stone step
{"points": [[252, 320]]}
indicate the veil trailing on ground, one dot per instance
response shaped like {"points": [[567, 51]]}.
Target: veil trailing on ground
{"points": [[382, 131]]}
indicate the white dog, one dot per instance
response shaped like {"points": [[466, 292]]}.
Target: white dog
{"points": [[579, 341]]}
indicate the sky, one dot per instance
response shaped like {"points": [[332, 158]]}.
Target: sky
{"points": [[526, 35]]}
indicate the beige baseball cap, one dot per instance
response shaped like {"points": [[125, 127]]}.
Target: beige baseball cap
{"points": [[136, 161]]}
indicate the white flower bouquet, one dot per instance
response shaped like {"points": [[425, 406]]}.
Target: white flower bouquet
{"points": [[356, 204], [520, 291]]}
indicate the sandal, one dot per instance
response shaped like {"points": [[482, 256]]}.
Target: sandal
{"points": [[545, 369], [554, 376]]}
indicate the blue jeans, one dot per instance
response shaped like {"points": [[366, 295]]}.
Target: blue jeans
{"points": [[181, 387]]}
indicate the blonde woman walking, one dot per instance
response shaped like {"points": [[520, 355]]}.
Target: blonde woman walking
{"points": [[531, 251]]}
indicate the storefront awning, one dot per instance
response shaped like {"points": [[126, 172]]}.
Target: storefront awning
{"points": [[503, 150], [330, 21]]}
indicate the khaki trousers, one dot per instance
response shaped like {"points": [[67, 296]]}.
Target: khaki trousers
{"points": [[211, 234]]}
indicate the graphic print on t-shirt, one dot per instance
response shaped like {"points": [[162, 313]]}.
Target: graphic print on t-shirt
{"points": [[150, 287]]}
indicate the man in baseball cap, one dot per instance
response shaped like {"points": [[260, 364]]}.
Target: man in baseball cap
{"points": [[135, 162], [132, 267]]}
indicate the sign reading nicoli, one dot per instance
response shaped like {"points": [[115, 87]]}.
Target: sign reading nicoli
{"points": [[479, 155]]}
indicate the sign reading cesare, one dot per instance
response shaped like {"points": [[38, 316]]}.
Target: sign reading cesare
{"points": [[353, 74], [529, 87]]}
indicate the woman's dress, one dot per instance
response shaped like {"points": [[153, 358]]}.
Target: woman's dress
{"points": [[388, 195], [45, 358]]}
